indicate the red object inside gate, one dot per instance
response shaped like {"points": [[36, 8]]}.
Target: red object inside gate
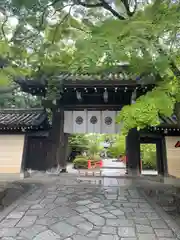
{"points": [[97, 164]]}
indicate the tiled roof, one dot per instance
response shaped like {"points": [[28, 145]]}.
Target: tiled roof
{"points": [[98, 76], [168, 121], [13, 118], [67, 78]]}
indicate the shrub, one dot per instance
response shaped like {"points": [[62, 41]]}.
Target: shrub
{"points": [[81, 162], [95, 158], [148, 165]]}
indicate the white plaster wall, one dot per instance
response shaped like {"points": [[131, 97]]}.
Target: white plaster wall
{"points": [[173, 156], [11, 151]]}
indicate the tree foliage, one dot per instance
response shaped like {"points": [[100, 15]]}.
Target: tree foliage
{"points": [[148, 156], [19, 100], [78, 142], [148, 108], [118, 147], [40, 38]]}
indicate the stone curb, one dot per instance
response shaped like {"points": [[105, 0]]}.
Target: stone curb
{"points": [[159, 210]]}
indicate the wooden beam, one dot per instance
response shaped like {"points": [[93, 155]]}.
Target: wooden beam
{"points": [[100, 83], [93, 107]]}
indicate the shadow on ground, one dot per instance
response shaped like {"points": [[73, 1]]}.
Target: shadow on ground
{"points": [[10, 192], [165, 196]]}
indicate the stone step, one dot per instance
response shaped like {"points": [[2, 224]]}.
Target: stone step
{"points": [[90, 173], [112, 167]]}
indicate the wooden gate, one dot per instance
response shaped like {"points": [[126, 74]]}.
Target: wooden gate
{"points": [[36, 154]]}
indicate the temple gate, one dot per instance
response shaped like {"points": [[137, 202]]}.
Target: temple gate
{"points": [[89, 103]]}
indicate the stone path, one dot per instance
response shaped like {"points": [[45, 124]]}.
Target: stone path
{"points": [[112, 168], [67, 210]]}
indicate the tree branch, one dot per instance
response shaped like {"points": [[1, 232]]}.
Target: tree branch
{"points": [[63, 19], [88, 5], [2, 27], [103, 4], [45, 9], [110, 9], [127, 6]]}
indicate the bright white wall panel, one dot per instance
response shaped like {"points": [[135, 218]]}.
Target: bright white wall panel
{"points": [[79, 121], [108, 122], [94, 117], [68, 121]]}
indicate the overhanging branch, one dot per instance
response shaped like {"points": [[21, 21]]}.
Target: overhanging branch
{"points": [[102, 4], [3, 25], [88, 5], [127, 7], [110, 9]]}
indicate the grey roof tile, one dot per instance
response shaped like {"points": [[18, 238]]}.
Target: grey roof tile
{"points": [[22, 117]]}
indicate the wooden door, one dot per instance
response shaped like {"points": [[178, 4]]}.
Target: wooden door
{"points": [[36, 153]]}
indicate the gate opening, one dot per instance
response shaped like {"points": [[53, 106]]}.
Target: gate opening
{"points": [[100, 153], [149, 159]]}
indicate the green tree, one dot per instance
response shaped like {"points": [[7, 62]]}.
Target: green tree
{"points": [[118, 147], [149, 42], [79, 142], [50, 36], [94, 146]]}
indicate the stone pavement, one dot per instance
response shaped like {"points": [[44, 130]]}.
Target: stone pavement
{"points": [[65, 209]]}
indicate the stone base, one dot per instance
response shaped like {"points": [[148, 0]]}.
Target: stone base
{"points": [[132, 172], [13, 176], [172, 181]]}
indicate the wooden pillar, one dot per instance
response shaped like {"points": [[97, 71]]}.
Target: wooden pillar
{"points": [[51, 151], [133, 152], [61, 154], [58, 141], [161, 157], [56, 137], [63, 148], [164, 156]]}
